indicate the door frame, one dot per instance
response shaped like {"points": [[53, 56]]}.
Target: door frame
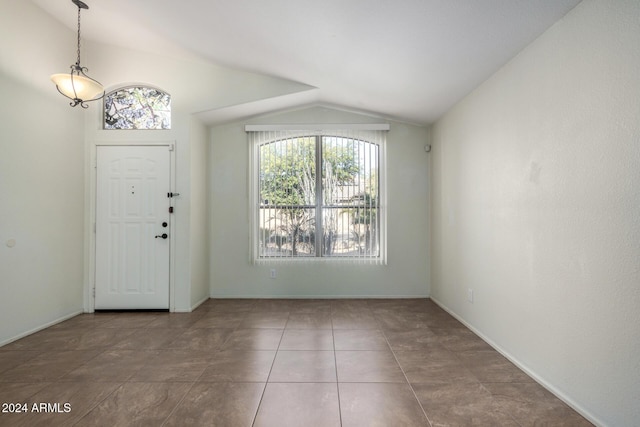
{"points": [[90, 223]]}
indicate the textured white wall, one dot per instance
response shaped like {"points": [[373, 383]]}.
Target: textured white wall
{"points": [[232, 273], [536, 207], [41, 179], [199, 241]]}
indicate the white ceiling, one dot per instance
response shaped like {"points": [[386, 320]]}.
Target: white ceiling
{"points": [[409, 60]]}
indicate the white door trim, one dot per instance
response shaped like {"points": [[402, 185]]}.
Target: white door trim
{"points": [[90, 223]]}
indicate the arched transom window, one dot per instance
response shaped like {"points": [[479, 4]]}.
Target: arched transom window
{"points": [[137, 107]]}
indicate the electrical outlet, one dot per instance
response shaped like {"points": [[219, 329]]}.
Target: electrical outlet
{"points": [[272, 273], [470, 295]]}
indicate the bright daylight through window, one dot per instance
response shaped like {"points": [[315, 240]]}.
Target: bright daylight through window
{"points": [[319, 195], [137, 108]]}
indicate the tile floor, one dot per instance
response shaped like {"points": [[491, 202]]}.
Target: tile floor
{"points": [[271, 363]]}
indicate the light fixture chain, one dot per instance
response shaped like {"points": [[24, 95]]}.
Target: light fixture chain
{"points": [[78, 62]]}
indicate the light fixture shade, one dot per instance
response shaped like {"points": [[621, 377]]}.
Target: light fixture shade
{"points": [[76, 85], [86, 89]]}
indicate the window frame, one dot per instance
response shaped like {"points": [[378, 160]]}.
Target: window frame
{"points": [[135, 86], [368, 134]]}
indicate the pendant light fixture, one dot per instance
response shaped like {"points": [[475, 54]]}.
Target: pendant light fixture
{"points": [[76, 85]]}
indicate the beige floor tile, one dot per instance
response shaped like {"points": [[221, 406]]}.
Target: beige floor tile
{"points": [[174, 366], [272, 320], [100, 338], [86, 320], [200, 339], [275, 305], [309, 321], [239, 366], [360, 339], [461, 404], [139, 404], [356, 319], [434, 365], [20, 391], [149, 339], [303, 366], [412, 339], [531, 405], [379, 404], [130, 320], [176, 320], [310, 306], [254, 339], [460, 339], [365, 366], [491, 366], [307, 339], [231, 305], [111, 366], [350, 304], [218, 404], [220, 319], [65, 403], [400, 321], [299, 404], [11, 359], [48, 366]]}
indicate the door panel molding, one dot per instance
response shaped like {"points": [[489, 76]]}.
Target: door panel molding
{"points": [[90, 216]]}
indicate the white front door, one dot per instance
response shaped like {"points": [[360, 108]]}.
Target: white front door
{"points": [[132, 227]]}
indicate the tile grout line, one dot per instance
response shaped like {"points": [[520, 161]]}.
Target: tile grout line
{"points": [[456, 355], [175, 408], [335, 361], [103, 350], [203, 371], [407, 379], [98, 403], [273, 362]]}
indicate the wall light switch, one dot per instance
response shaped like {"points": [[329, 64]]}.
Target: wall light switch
{"points": [[470, 295], [272, 273]]}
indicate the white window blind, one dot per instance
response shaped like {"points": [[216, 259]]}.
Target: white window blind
{"points": [[318, 194]]}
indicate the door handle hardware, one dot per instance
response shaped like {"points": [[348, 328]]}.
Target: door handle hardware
{"points": [[163, 236], [170, 195]]}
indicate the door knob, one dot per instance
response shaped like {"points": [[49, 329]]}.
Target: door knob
{"points": [[163, 236]]}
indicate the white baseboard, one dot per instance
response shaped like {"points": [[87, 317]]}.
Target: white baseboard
{"points": [[41, 327], [199, 303], [319, 296], [540, 380]]}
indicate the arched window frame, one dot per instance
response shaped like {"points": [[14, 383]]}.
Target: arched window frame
{"points": [[155, 114], [265, 135]]}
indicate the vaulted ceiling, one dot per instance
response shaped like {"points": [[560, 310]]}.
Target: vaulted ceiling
{"points": [[409, 60]]}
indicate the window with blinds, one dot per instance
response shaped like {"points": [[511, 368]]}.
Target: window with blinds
{"points": [[318, 194]]}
